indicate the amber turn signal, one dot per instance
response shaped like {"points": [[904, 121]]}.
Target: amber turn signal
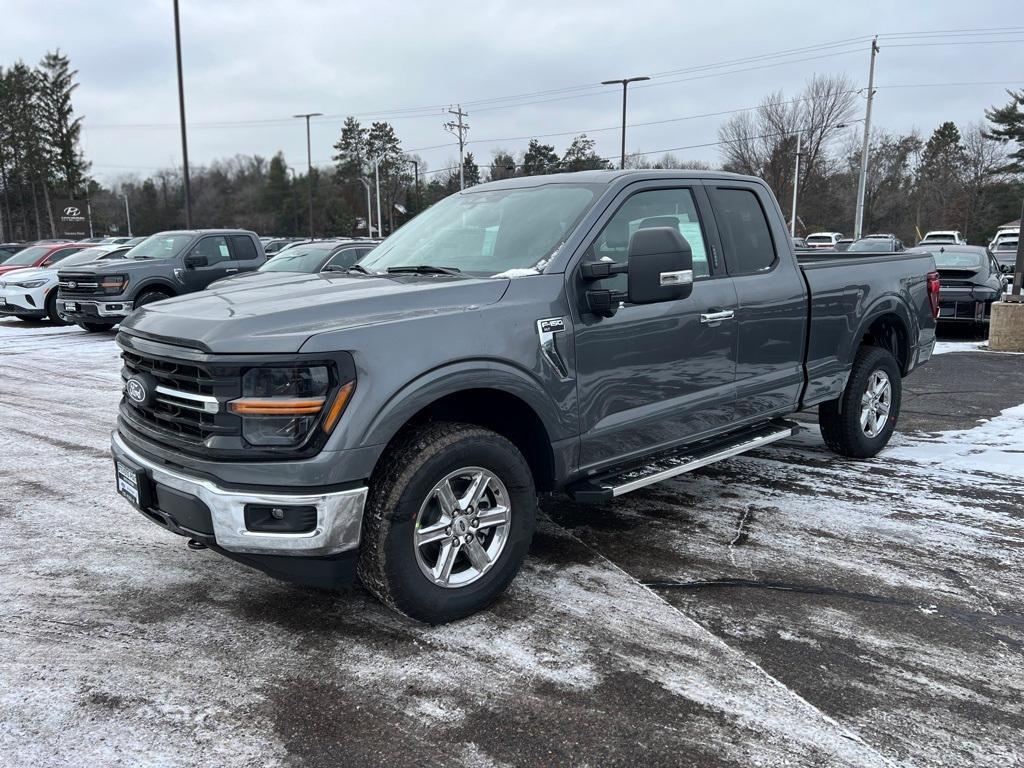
{"points": [[335, 411], [254, 406]]}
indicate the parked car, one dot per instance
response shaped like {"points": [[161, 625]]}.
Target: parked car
{"points": [[1004, 233], [942, 237], [821, 240], [877, 244], [39, 256], [98, 296], [1006, 254], [31, 293], [843, 244], [799, 243], [307, 258], [9, 249], [590, 333], [971, 279], [282, 242]]}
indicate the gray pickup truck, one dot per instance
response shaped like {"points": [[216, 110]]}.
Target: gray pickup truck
{"points": [[586, 333], [98, 296]]}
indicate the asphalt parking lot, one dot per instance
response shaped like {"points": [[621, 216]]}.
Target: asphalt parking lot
{"points": [[782, 608]]}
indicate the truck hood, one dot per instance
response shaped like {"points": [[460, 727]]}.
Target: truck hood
{"points": [[112, 267], [279, 313]]}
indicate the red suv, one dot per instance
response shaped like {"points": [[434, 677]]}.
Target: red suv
{"points": [[40, 256]]}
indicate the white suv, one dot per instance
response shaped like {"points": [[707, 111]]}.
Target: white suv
{"points": [[943, 237], [819, 240], [31, 293]]}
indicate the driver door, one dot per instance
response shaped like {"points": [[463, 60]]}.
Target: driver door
{"points": [[656, 375], [218, 260]]}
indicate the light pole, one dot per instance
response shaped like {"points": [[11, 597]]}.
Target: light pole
{"points": [[369, 208], [416, 167], [181, 112], [862, 181], [309, 163], [625, 84], [376, 175], [127, 214]]}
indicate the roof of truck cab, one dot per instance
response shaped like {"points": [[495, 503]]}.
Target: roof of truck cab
{"points": [[205, 232], [610, 177]]}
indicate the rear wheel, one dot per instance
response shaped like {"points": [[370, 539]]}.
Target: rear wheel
{"points": [[448, 523], [95, 327], [860, 423]]}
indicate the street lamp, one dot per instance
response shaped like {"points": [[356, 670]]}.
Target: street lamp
{"points": [[376, 175], [127, 213], [369, 208], [309, 161], [625, 84], [181, 112]]}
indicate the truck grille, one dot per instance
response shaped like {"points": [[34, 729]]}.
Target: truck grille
{"points": [[187, 407], [70, 282]]}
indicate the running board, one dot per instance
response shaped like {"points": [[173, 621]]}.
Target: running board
{"points": [[620, 480]]}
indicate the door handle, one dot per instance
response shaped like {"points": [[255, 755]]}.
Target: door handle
{"points": [[717, 317], [231, 269]]}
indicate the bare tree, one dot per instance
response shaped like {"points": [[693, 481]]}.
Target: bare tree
{"points": [[985, 165]]}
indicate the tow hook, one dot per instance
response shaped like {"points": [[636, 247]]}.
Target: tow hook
{"points": [[195, 545]]}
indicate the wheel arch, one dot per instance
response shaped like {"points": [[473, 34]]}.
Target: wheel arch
{"points": [[888, 325]]}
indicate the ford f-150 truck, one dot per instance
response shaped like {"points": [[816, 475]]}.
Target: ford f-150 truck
{"points": [[586, 333], [98, 296]]}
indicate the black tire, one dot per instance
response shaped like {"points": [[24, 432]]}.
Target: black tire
{"points": [[95, 327], [149, 297], [402, 483], [840, 419], [51, 310]]}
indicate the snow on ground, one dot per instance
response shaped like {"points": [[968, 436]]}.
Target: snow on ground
{"points": [[874, 616]]}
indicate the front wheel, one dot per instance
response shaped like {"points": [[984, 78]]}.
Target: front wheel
{"points": [[860, 423], [53, 310], [449, 521]]}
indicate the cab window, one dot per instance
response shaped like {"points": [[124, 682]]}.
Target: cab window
{"points": [[215, 249]]}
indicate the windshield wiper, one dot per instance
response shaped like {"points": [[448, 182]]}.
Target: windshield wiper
{"points": [[425, 269], [353, 268]]}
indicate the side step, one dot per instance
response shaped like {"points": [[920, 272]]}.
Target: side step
{"points": [[623, 479]]}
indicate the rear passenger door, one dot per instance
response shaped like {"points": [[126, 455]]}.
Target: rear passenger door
{"points": [[771, 311], [245, 255]]}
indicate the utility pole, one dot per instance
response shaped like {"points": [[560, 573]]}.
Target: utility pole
{"points": [[858, 224], [309, 165], [796, 183], [625, 84], [127, 214], [416, 168], [181, 112], [459, 129]]}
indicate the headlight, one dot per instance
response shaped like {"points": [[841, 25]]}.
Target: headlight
{"points": [[282, 406], [113, 283], [29, 283]]}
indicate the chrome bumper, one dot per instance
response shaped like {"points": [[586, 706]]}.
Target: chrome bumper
{"points": [[339, 514], [103, 308]]}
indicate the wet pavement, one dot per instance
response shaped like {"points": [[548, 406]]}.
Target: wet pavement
{"points": [[785, 607]]}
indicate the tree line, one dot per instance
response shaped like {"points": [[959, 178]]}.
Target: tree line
{"points": [[968, 177]]}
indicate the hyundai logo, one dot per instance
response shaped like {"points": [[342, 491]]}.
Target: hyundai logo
{"points": [[72, 211], [136, 391]]}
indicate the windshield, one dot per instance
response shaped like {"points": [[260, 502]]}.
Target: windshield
{"points": [[29, 255], [946, 259], [872, 244], [820, 239], [301, 258], [159, 247], [1007, 245], [939, 239], [487, 233]]}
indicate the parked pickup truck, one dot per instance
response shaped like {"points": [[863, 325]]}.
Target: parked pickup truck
{"points": [[97, 297], [588, 333]]}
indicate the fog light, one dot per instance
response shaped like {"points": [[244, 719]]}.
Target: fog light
{"points": [[265, 518]]}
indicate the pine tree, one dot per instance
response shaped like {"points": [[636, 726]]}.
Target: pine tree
{"points": [[61, 128], [539, 159], [351, 148], [580, 156], [1009, 128]]}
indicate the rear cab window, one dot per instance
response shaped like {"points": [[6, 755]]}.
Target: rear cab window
{"points": [[743, 227]]}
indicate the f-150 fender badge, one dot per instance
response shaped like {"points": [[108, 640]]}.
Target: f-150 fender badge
{"points": [[546, 330]]}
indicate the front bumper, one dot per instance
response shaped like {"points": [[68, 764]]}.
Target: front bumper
{"points": [[23, 301], [91, 309], [198, 508]]}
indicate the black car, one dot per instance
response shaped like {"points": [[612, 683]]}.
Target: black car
{"points": [[308, 258], [970, 280]]}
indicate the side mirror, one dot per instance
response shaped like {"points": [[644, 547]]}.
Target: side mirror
{"points": [[194, 260], [660, 266]]}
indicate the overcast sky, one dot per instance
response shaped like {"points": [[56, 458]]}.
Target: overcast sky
{"points": [[263, 61]]}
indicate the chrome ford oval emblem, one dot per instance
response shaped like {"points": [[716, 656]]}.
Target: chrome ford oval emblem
{"points": [[136, 391], [72, 284]]}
